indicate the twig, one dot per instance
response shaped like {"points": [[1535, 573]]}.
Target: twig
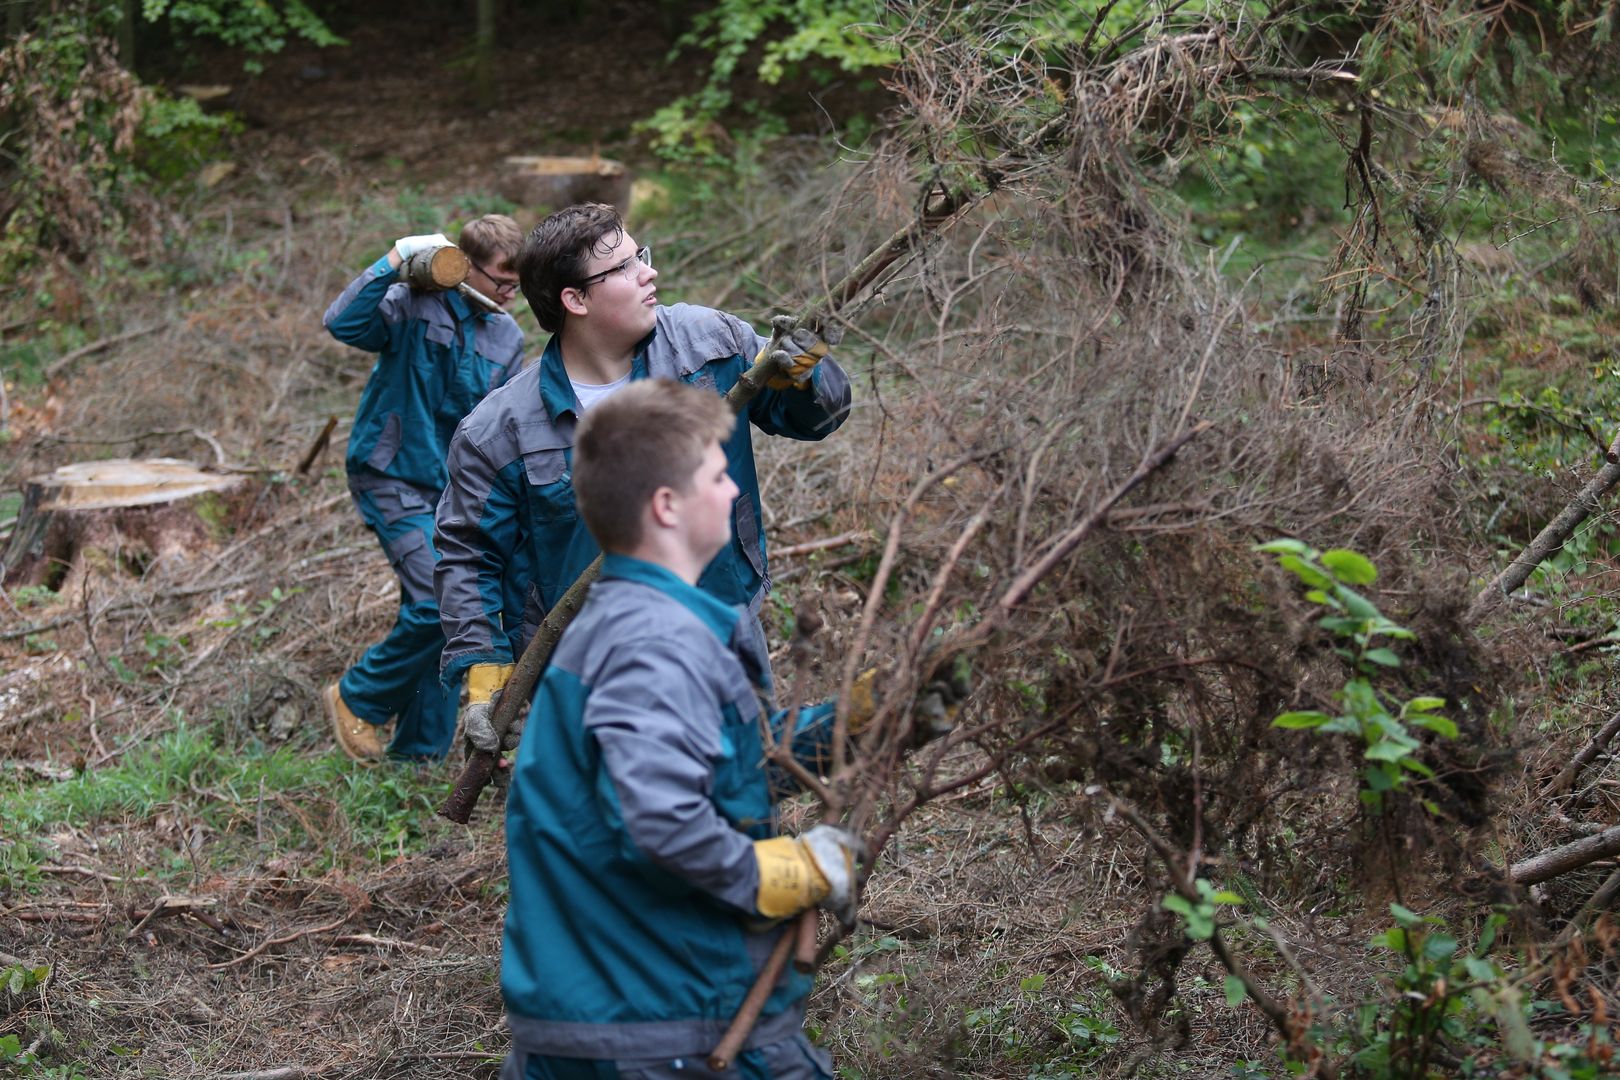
{"points": [[81, 871], [1570, 773], [852, 537], [317, 446], [1549, 540], [56, 366], [384, 943], [271, 942]]}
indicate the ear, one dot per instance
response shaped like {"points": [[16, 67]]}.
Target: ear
{"points": [[664, 508], [573, 300]]}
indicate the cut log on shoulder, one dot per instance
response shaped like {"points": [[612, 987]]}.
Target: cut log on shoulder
{"points": [[556, 182], [122, 514]]}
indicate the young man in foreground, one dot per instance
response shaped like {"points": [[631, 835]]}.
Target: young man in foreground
{"points": [[648, 882], [437, 356], [508, 512]]}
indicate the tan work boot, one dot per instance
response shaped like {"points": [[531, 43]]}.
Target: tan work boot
{"points": [[365, 743]]}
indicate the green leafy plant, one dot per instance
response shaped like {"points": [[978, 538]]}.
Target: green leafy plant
{"points": [[1199, 918], [258, 29], [1382, 725], [788, 36]]}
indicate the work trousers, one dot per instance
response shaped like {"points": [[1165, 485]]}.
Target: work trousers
{"points": [[399, 676], [789, 1059]]}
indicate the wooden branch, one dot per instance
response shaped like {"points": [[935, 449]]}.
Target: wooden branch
{"points": [[283, 940], [743, 1023], [1570, 773], [854, 537], [1571, 856], [55, 367], [375, 942], [1550, 539], [1600, 900], [317, 446]]}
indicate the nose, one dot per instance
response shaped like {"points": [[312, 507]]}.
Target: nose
{"points": [[648, 275]]}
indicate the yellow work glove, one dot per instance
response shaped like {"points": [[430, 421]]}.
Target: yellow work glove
{"points": [[933, 715], [802, 351], [484, 683], [797, 873]]}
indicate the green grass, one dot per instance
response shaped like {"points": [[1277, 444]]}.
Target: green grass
{"points": [[253, 802]]}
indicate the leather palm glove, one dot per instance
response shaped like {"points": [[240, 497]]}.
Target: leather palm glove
{"points": [[802, 351], [410, 245], [816, 869], [933, 714], [484, 683]]}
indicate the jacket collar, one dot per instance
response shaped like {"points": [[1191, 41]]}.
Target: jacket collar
{"points": [[720, 617], [557, 392]]}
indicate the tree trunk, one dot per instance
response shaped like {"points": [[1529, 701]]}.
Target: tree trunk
{"points": [[555, 182], [484, 56], [120, 515], [128, 15]]}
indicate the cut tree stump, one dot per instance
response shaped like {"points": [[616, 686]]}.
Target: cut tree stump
{"points": [[120, 515], [556, 182]]}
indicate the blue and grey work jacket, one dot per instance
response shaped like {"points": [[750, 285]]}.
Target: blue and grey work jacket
{"points": [[511, 493], [637, 793], [437, 357]]}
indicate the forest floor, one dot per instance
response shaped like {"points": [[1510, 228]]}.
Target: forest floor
{"points": [[195, 883]]}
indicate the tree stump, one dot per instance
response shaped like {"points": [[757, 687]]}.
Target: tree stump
{"points": [[556, 182], [120, 515]]}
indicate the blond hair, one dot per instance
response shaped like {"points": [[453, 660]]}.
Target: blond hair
{"points": [[491, 240]]}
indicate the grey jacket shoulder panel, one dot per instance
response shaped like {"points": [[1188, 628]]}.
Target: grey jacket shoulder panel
{"points": [[690, 336], [510, 420], [627, 614]]}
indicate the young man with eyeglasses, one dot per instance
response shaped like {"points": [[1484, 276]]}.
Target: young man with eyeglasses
{"points": [[507, 517], [437, 357]]}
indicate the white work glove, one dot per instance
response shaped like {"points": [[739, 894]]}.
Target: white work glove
{"points": [[813, 870], [410, 245]]}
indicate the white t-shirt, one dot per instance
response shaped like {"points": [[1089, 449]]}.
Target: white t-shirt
{"points": [[590, 393]]}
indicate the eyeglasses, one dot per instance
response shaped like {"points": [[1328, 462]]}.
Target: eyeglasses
{"points": [[500, 284], [642, 258]]}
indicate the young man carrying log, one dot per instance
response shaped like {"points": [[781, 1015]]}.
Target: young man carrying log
{"points": [[508, 512], [437, 356], [648, 880]]}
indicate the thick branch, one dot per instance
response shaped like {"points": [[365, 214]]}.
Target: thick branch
{"points": [[1571, 856]]}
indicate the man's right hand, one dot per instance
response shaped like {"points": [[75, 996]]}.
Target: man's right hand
{"points": [[484, 684], [817, 869], [406, 246]]}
